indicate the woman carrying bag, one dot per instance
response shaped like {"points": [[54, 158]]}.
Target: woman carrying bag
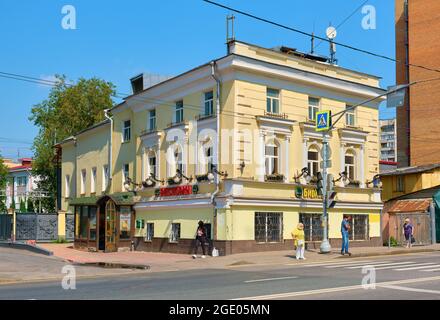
{"points": [[299, 241]]}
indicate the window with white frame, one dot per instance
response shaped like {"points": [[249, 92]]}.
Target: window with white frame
{"points": [[350, 165], [152, 119], [359, 227], [268, 226], [272, 158], [152, 164], [313, 108], [178, 160], [105, 177], [272, 100], [209, 103], [126, 131], [67, 186], [179, 111], [83, 181], [93, 180], [175, 232], [350, 118], [125, 172], [313, 161]]}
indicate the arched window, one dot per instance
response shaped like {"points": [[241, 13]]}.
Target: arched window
{"points": [[313, 160], [350, 164], [272, 159], [178, 159]]}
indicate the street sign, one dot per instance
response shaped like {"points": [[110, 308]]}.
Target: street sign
{"points": [[397, 98], [323, 120], [329, 151]]}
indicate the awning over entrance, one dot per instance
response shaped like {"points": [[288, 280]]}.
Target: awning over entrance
{"points": [[410, 206], [120, 199]]}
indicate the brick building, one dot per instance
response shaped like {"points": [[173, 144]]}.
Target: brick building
{"points": [[418, 43]]}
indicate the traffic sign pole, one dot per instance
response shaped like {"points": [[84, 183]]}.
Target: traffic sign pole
{"points": [[325, 244]]}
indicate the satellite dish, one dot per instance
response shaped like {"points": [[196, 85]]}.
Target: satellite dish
{"points": [[331, 32]]}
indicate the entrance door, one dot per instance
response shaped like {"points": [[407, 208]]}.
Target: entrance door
{"points": [[110, 226]]}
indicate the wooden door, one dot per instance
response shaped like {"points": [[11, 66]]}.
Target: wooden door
{"points": [[110, 227]]}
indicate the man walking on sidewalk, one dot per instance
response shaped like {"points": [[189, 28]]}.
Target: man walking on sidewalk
{"points": [[345, 229]]}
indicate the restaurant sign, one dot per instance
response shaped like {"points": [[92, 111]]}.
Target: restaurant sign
{"points": [[307, 193], [176, 191]]}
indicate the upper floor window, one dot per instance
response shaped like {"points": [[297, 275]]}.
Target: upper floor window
{"points": [[350, 118], [209, 104], [178, 160], [179, 111], [67, 186], [125, 172], [350, 167], [312, 161], [400, 186], [83, 181], [105, 175], [273, 100], [313, 108], [126, 131], [152, 164], [271, 158], [152, 119], [93, 180]]}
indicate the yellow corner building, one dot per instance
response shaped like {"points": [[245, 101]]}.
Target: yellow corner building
{"points": [[142, 179]]}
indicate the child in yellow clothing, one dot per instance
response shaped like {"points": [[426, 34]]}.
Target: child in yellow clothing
{"points": [[298, 237]]}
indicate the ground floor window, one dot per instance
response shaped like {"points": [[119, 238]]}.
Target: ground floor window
{"points": [[125, 222], [313, 230], [175, 232], [268, 226], [359, 226], [150, 232], [92, 223], [83, 221]]}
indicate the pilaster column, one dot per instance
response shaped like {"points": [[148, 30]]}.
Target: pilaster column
{"points": [[261, 158], [305, 148], [342, 156], [286, 158], [362, 166]]}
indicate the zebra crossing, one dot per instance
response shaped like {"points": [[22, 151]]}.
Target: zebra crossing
{"points": [[384, 265]]}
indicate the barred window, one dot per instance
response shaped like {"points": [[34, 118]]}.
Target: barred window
{"points": [[268, 226], [313, 230], [175, 232], [359, 227]]}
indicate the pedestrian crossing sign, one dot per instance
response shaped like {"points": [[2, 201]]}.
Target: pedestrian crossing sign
{"points": [[323, 120]]}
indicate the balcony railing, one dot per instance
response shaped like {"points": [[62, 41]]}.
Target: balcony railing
{"points": [[148, 131], [281, 116]]}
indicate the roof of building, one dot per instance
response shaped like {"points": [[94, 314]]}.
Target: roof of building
{"points": [[421, 194], [411, 170], [99, 124], [410, 206]]}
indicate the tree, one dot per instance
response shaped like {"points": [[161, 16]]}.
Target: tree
{"points": [[30, 205], [3, 179], [67, 110], [22, 206]]}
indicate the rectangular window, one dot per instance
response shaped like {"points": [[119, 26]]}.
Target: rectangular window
{"points": [[179, 111], [92, 223], [152, 120], [125, 223], [313, 230], [84, 219], [273, 100], [93, 180], [175, 232], [209, 103], [313, 108], [312, 162], [126, 131], [152, 165], [83, 181], [350, 167], [400, 186], [268, 226], [104, 177], [350, 116], [150, 232], [208, 228], [125, 172], [67, 186], [359, 227]]}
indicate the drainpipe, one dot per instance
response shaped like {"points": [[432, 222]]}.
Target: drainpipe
{"points": [[110, 159], [217, 107]]}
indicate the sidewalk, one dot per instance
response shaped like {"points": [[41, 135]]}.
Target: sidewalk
{"points": [[159, 262]]}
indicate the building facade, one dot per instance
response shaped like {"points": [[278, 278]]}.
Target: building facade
{"points": [[418, 43], [147, 175], [20, 184], [388, 150]]}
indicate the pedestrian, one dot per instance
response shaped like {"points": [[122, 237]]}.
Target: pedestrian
{"points": [[200, 239], [408, 232], [299, 241], [345, 229]]}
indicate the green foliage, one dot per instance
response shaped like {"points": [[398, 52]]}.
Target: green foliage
{"points": [[12, 204], [393, 242], [67, 110], [3, 179], [22, 206], [30, 206], [60, 240]]}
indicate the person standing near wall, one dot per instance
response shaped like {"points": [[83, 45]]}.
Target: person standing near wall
{"points": [[299, 241], [408, 232], [345, 229], [200, 239]]}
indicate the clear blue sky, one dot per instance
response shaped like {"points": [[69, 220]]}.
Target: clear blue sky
{"points": [[116, 40]]}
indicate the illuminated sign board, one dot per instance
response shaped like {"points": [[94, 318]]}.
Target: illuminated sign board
{"points": [[177, 191]]}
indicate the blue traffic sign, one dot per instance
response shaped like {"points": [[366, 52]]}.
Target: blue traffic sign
{"points": [[323, 120]]}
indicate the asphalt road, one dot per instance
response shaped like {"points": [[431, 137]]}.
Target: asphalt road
{"points": [[411, 276]]}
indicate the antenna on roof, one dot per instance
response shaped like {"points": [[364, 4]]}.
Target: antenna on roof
{"points": [[331, 35], [230, 34], [312, 50]]}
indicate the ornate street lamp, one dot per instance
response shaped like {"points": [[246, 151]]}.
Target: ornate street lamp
{"points": [[305, 173]]}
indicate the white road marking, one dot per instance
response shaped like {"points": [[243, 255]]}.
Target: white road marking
{"points": [[269, 279], [409, 289], [357, 264], [395, 264], [391, 267], [337, 289], [321, 264], [421, 266], [438, 269]]}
